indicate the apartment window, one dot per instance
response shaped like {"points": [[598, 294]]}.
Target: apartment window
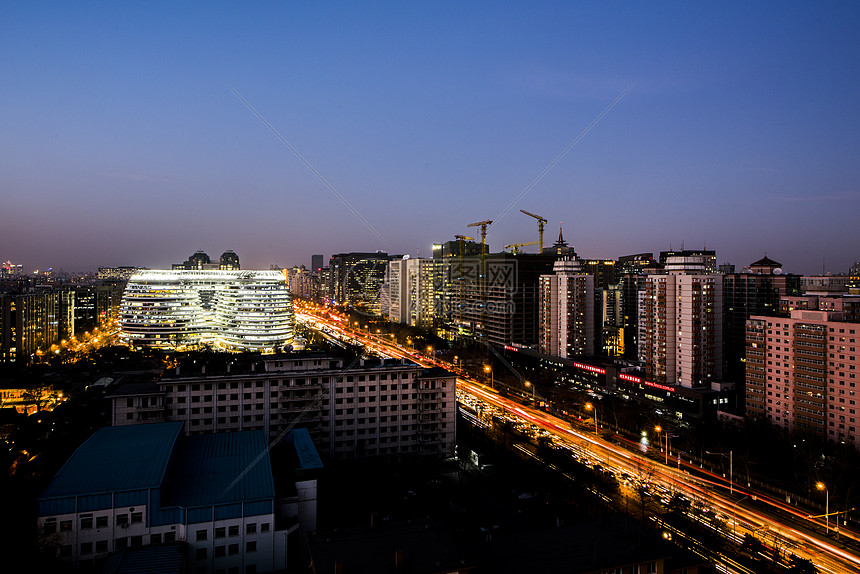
{"points": [[86, 521], [169, 536], [234, 530], [221, 532], [50, 526], [233, 549], [155, 539], [202, 535], [136, 517], [86, 548], [101, 521], [122, 519], [220, 551], [101, 545], [264, 527], [251, 528]]}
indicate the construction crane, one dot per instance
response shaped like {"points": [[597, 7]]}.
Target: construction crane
{"points": [[541, 223], [517, 246], [462, 239], [483, 225]]}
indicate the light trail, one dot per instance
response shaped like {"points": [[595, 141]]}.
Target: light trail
{"points": [[822, 552]]}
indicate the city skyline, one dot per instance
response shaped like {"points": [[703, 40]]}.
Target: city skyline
{"points": [[135, 137]]}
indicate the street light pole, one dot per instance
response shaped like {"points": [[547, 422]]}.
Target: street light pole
{"points": [[822, 486], [658, 428]]}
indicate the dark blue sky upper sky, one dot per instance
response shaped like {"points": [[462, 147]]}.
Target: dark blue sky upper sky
{"points": [[121, 142]]}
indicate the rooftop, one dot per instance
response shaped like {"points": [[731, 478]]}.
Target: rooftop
{"points": [[219, 468], [117, 459]]}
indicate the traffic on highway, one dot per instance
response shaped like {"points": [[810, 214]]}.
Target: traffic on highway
{"points": [[736, 514]]}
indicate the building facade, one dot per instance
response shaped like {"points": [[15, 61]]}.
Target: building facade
{"points": [[229, 310], [566, 314], [371, 408], [680, 325], [802, 373], [137, 487]]}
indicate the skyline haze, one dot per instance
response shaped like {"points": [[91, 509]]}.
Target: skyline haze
{"points": [[125, 143]]}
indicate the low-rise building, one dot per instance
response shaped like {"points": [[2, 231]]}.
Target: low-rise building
{"points": [[149, 485]]}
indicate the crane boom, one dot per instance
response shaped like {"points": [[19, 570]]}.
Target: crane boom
{"points": [[541, 222]]}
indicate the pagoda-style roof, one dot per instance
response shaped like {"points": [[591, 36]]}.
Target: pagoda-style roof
{"points": [[766, 262]]}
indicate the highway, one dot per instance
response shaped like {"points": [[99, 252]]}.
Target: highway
{"points": [[732, 515]]}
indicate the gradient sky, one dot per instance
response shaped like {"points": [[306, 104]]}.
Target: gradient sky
{"points": [[121, 142]]}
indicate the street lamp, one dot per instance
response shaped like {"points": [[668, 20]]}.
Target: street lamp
{"points": [[589, 407], [822, 486], [489, 369], [528, 384], [666, 434]]}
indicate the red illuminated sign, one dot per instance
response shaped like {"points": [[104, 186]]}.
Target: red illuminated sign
{"points": [[509, 348], [590, 368], [639, 380]]}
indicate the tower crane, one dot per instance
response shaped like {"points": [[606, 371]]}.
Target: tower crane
{"points": [[462, 239], [541, 223], [517, 246], [483, 225]]}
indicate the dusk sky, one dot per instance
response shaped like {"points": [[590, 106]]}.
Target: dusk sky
{"points": [[122, 141]]}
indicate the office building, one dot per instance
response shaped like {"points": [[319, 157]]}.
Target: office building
{"points": [[316, 263], [200, 261], [117, 273], [357, 278], [409, 283], [227, 310]]}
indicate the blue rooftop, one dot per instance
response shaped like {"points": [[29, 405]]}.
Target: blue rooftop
{"points": [[117, 459], [220, 468]]}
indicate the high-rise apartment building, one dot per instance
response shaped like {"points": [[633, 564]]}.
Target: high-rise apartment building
{"points": [[680, 325], [566, 311], [802, 373], [316, 263]]}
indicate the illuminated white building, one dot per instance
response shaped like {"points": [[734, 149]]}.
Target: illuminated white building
{"points": [[233, 310]]}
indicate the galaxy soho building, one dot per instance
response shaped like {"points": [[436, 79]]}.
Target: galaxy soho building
{"points": [[229, 310]]}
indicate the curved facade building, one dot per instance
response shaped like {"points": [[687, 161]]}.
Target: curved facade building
{"points": [[254, 313], [233, 310]]}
